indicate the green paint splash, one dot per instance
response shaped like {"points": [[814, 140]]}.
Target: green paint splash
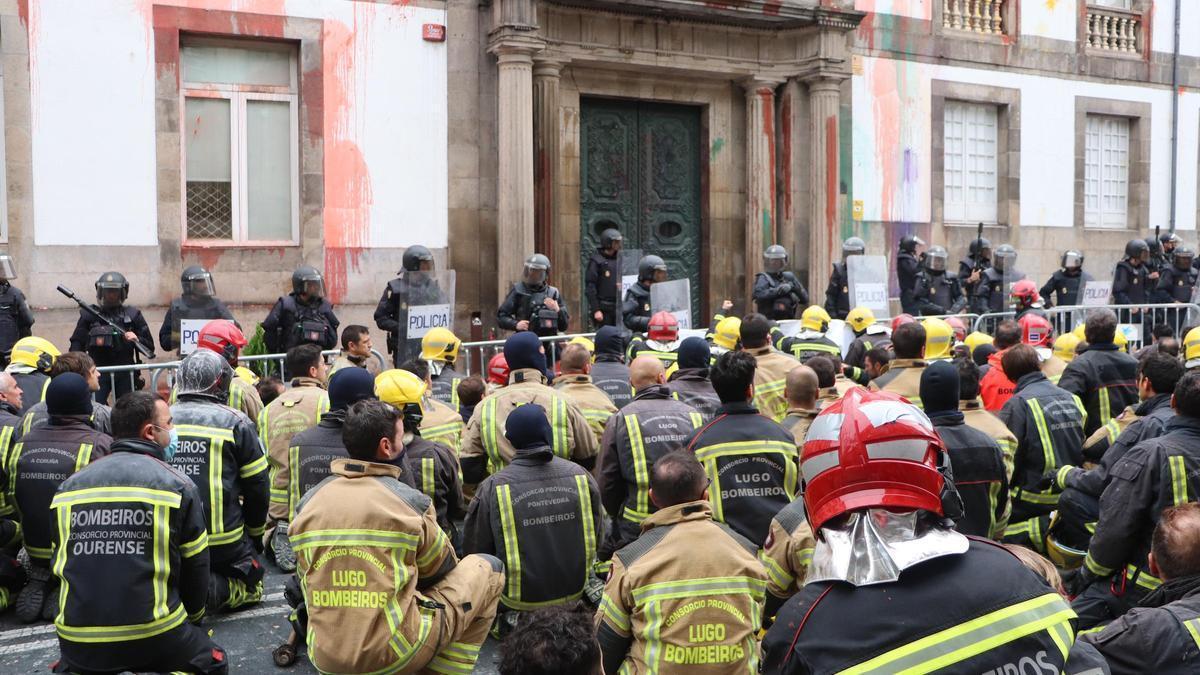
{"points": [[717, 146]]}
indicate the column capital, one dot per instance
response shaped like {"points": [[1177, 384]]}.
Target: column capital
{"points": [[824, 80], [548, 65], [510, 48], [758, 84]]}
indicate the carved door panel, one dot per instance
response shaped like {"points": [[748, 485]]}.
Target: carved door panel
{"points": [[640, 173]]}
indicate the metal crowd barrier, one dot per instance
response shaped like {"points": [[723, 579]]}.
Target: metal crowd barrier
{"points": [[274, 365], [1143, 318], [475, 355]]}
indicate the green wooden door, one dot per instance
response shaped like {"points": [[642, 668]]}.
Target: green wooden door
{"points": [[640, 173]]}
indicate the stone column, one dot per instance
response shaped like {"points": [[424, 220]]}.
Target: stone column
{"points": [[546, 74], [824, 243], [760, 172], [515, 199]]}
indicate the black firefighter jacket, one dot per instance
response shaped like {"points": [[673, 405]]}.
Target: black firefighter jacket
{"points": [[692, 386], [1153, 415], [1159, 636], [979, 474], [541, 516], [1105, 379], [611, 375], [1048, 424]]}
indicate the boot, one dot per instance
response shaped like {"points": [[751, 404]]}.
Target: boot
{"points": [[33, 596]]}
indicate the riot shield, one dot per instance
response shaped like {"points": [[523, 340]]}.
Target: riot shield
{"points": [[868, 277], [426, 302], [630, 257], [675, 297]]}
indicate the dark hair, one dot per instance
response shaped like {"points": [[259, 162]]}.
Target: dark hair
{"points": [[1162, 370], [881, 356], [132, 412], [301, 358], [353, 333], [1176, 541], [1019, 361], [416, 367], [269, 388], [574, 358], [471, 390], [1008, 333], [367, 422], [552, 641], [677, 478], [73, 362], [1162, 330], [1101, 327], [824, 368], [731, 375], [968, 379], [1168, 345], [756, 331], [908, 340], [1187, 394], [835, 359]]}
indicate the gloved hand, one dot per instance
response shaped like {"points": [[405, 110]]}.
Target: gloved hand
{"points": [[786, 288]]}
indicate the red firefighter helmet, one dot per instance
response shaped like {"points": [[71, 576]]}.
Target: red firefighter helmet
{"points": [[664, 327], [1035, 330], [1025, 293], [223, 337], [871, 449], [497, 370], [900, 320]]}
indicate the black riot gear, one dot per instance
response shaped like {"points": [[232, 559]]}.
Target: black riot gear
{"points": [[1182, 258], [775, 259], [1072, 261], [1153, 247], [197, 302], [536, 272], [112, 290], [417, 258], [602, 279], [303, 316], [853, 246], [526, 301], [777, 292], [16, 319], [1062, 289], [308, 281], [936, 259], [938, 291], [196, 281], [649, 268], [910, 242], [978, 245], [1006, 258], [609, 237], [908, 268]]}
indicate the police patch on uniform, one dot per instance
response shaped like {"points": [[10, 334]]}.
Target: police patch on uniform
{"points": [[607, 274], [1135, 280], [845, 289], [646, 307]]}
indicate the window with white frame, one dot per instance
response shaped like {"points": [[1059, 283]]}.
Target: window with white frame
{"points": [[1106, 172], [970, 166], [240, 150]]}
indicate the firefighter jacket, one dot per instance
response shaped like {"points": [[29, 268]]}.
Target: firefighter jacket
{"points": [[1148, 421], [612, 376], [981, 611], [667, 353], [445, 384], [692, 386], [1153, 475], [37, 416], [777, 296], [688, 592], [485, 450], [805, 345], [106, 346], [976, 417], [442, 424], [1048, 424], [635, 308], [541, 516], [602, 282], [837, 293], [33, 384], [310, 454], [296, 409], [131, 548], [188, 307], [1158, 636], [902, 377], [994, 387], [366, 541], [937, 293], [1053, 368], [435, 473], [752, 464], [526, 303], [646, 429], [979, 474], [244, 397], [1130, 284], [39, 463], [797, 421], [348, 360], [391, 313], [10, 424], [595, 405], [293, 322], [787, 552], [1175, 285], [856, 355], [770, 379], [1105, 379], [220, 452], [1101, 440], [1062, 289]]}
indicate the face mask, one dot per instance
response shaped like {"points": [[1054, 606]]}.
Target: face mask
{"points": [[172, 446]]}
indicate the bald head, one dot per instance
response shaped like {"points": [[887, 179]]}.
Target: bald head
{"points": [[9, 391], [575, 360], [802, 386], [1175, 545], [646, 371]]}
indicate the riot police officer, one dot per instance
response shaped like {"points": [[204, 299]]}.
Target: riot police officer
{"points": [[971, 268], [777, 292], [636, 307], [1163, 256], [106, 346], [533, 304], [908, 267], [1175, 283], [303, 316], [991, 294], [198, 301], [938, 291], [1130, 277], [837, 294], [415, 286], [1063, 286], [602, 279], [16, 321]]}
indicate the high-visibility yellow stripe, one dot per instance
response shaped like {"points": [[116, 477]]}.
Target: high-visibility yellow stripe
{"points": [[665, 590], [1039, 420], [117, 494], [120, 633], [588, 522], [1193, 629], [1095, 567], [697, 419], [201, 431], [641, 472], [1114, 430], [487, 433], [293, 488], [84, 456], [512, 549], [558, 427], [354, 537], [778, 575], [434, 551], [1142, 577], [226, 537], [966, 640], [1179, 485], [194, 547], [161, 560], [1105, 406], [616, 616], [745, 448], [427, 484], [253, 467]]}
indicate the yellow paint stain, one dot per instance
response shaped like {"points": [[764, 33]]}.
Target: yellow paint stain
{"points": [[1051, 4]]}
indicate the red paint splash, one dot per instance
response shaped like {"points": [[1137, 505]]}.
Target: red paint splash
{"points": [[23, 12], [771, 7], [339, 262]]}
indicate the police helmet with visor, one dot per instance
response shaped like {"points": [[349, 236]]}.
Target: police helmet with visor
{"points": [[112, 289], [536, 271], [853, 246], [775, 259], [417, 259], [308, 281], [936, 258], [1072, 261], [1182, 258], [610, 237], [652, 268], [196, 281], [1005, 259]]}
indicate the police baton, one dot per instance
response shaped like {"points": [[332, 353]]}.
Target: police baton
{"points": [[146, 353]]}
